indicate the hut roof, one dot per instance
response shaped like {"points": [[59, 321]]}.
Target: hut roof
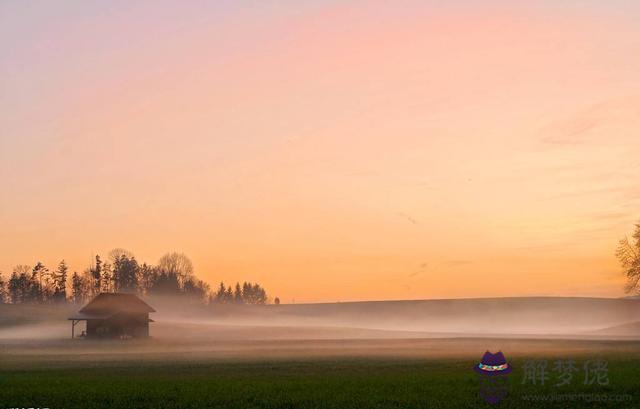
{"points": [[110, 303]]}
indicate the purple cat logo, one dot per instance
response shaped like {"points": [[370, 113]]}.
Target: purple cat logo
{"points": [[493, 370]]}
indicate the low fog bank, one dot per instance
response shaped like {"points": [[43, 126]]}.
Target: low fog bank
{"points": [[178, 321], [525, 316], [147, 353]]}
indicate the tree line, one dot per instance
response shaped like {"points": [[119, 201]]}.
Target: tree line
{"points": [[173, 275]]}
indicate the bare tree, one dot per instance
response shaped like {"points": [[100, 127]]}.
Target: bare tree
{"points": [[177, 264], [628, 253], [117, 253]]}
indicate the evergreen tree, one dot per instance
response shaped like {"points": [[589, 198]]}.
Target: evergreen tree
{"points": [[228, 295], [107, 278], [259, 295], [237, 295], [125, 274], [220, 295], [247, 291], [96, 276], [148, 277], [165, 284], [77, 288], [195, 290], [60, 282], [14, 289], [38, 288]]}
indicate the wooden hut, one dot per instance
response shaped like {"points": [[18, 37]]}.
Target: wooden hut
{"points": [[114, 315]]}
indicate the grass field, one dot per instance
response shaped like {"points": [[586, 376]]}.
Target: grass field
{"points": [[328, 374]]}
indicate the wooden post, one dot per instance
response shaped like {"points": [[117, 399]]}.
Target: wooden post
{"points": [[73, 327]]}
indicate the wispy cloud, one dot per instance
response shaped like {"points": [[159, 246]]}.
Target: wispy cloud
{"points": [[423, 268], [408, 218], [585, 125]]}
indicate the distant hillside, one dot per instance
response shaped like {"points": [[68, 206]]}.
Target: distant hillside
{"points": [[517, 315], [423, 318], [629, 329]]}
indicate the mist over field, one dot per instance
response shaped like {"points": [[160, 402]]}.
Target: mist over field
{"points": [[181, 322], [210, 354]]}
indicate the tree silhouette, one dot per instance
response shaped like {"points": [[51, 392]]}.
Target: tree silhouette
{"points": [[96, 275], [40, 286], [165, 284], [107, 278], [60, 282], [178, 264], [125, 274], [237, 295], [628, 253], [3, 289], [220, 294], [172, 276]]}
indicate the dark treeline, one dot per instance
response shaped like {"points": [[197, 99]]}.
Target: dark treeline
{"points": [[173, 275]]}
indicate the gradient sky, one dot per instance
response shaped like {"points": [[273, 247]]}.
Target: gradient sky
{"points": [[328, 150]]}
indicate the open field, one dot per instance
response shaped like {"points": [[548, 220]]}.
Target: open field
{"points": [[416, 373], [315, 357]]}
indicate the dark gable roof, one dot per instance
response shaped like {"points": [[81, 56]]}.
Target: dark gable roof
{"points": [[116, 302]]}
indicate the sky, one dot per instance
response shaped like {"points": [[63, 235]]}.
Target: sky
{"points": [[331, 151]]}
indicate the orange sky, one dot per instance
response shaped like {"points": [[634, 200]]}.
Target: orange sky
{"points": [[329, 151]]}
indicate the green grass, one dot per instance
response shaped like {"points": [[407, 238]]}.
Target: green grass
{"points": [[321, 383]]}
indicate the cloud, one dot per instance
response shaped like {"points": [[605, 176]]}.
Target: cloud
{"points": [[458, 262], [423, 267], [588, 124], [407, 217]]}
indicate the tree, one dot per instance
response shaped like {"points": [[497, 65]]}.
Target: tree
{"points": [[253, 294], [147, 278], [22, 286], [107, 278], [196, 290], [78, 293], [165, 284], [178, 264], [60, 282], [276, 301], [125, 274], [237, 295], [96, 276], [220, 294], [3, 290], [14, 289], [40, 287], [247, 292], [259, 295], [18, 285], [117, 253], [628, 253]]}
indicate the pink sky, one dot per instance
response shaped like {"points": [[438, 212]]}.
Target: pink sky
{"points": [[329, 151]]}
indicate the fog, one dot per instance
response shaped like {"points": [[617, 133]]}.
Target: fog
{"points": [[177, 319], [41, 335], [541, 316]]}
